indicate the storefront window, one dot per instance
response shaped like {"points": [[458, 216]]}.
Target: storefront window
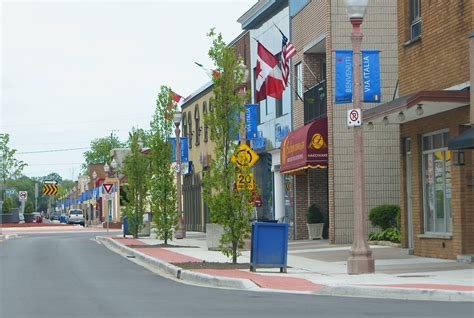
{"points": [[437, 183]]}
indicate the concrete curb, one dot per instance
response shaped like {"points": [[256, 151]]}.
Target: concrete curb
{"points": [[395, 293], [8, 236], [179, 273], [327, 290]]}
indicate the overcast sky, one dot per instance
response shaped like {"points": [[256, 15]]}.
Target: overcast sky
{"points": [[73, 71]]}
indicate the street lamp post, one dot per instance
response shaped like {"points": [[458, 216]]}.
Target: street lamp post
{"points": [[360, 260], [180, 232], [94, 197]]}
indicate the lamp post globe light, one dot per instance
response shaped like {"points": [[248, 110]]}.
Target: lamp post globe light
{"points": [[180, 231], [360, 260]]}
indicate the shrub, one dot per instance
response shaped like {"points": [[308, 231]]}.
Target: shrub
{"points": [[385, 216], [7, 205], [314, 215], [391, 234]]}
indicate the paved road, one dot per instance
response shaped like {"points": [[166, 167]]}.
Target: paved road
{"points": [[70, 275]]}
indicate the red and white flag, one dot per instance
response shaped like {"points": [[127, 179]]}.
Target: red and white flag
{"points": [[269, 80]]}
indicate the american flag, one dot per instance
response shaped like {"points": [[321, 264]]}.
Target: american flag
{"points": [[287, 52]]}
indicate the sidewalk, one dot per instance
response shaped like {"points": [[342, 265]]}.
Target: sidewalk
{"points": [[314, 267]]}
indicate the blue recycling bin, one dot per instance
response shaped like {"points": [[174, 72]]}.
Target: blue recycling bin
{"points": [[269, 245], [63, 219], [125, 226]]}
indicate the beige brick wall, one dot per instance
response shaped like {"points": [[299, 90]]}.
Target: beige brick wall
{"points": [[381, 145], [329, 18]]}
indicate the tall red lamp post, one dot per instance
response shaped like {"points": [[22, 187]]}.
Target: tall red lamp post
{"points": [[180, 231], [360, 260]]}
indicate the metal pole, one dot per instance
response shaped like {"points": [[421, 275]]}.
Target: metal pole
{"points": [[108, 212], [360, 260], [180, 232]]}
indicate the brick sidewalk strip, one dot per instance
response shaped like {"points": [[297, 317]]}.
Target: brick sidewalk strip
{"points": [[428, 286], [266, 281], [167, 256], [128, 241]]}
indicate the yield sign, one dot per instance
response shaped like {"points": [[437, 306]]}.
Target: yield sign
{"points": [[108, 187]]}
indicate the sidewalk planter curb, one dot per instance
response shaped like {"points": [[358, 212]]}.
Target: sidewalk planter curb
{"points": [[315, 230], [395, 293], [177, 272]]}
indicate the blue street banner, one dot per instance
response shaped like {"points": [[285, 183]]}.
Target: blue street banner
{"points": [[343, 91], [371, 76], [259, 142], [251, 121], [184, 148]]}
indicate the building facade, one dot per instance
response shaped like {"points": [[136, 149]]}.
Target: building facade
{"points": [[263, 21], [435, 116], [318, 28]]}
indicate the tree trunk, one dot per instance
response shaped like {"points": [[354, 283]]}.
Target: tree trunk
{"points": [[234, 250]]}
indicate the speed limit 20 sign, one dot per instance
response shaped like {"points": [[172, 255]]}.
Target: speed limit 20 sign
{"points": [[245, 181]]}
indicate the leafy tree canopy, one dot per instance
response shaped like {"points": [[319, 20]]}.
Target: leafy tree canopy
{"points": [[100, 150], [10, 167]]}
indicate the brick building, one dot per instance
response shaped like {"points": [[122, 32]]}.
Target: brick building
{"points": [[318, 28], [436, 134]]}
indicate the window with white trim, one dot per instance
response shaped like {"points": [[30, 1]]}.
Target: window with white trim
{"points": [[299, 81], [437, 183], [415, 19]]}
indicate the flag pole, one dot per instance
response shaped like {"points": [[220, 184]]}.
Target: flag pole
{"points": [[297, 54]]}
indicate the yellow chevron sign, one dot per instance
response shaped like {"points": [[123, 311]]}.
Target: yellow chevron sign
{"points": [[50, 189]]}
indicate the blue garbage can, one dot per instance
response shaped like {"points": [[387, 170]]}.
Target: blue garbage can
{"points": [[269, 245], [125, 226], [62, 219]]}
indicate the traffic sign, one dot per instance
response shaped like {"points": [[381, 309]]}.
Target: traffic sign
{"points": [[354, 117], [245, 181], [50, 182], [245, 157], [50, 189], [108, 187], [23, 195]]}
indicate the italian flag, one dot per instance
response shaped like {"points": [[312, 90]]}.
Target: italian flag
{"points": [[210, 72]]}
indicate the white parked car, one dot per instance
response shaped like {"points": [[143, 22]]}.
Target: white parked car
{"points": [[76, 216]]}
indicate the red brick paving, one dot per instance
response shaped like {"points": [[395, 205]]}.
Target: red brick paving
{"points": [[265, 281], [167, 256], [128, 241]]}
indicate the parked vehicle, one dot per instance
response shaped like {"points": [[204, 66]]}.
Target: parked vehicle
{"points": [[63, 218], [37, 217], [76, 216], [54, 217]]}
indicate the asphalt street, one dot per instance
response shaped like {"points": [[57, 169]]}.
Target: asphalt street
{"points": [[71, 275]]}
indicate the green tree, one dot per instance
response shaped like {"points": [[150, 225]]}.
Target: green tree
{"points": [[162, 187], [136, 170], [10, 167], [100, 150], [229, 207]]}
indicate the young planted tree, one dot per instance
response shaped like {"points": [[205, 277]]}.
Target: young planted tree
{"points": [[229, 206], [162, 187], [136, 170]]}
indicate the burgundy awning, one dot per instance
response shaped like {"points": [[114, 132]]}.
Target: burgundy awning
{"points": [[306, 147]]}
